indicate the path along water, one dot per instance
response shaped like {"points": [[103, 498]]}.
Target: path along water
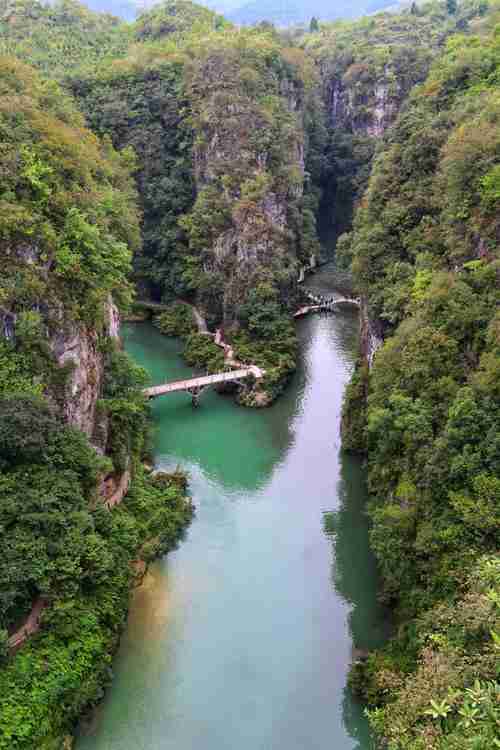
{"points": [[241, 639]]}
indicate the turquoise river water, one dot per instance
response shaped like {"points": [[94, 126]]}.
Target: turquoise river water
{"points": [[242, 638]]}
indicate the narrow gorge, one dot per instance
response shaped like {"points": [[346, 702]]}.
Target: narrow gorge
{"points": [[310, 558]]}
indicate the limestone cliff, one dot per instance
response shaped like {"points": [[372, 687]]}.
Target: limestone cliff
{"points": [[249, 172], [77, 349], [371, 337], [363, 107]]}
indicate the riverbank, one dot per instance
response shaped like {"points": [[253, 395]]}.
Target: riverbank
{"points": [[275, 358], [71, 641], [244, 636]]}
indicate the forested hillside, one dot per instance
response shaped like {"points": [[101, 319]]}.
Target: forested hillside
{"points": [[425, 256], [73, 422], [59, 38], [367, 68], [218, 130]]}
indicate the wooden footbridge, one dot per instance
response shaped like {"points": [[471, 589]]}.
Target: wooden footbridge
{"points": [[195, 386], [324, 304], [237, 372]]}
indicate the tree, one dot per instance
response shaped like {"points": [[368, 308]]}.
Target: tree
{"points": [[314, 25], [451, 7]]}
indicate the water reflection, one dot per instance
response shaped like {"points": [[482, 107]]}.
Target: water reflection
{"points": [[354, 577], [242, 638], [354, 573], [237, 451]]}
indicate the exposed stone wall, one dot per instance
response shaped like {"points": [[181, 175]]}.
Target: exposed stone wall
{"points": [[79, 347], [256, 244], [365, 110], [371, 338]]}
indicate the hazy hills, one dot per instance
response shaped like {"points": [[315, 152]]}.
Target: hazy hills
{"points": [[279, 12], [285, 12]]}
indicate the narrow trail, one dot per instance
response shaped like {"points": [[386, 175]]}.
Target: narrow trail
{"points": [[120, 491], [199, 319], [32, 623], [30, 626]]}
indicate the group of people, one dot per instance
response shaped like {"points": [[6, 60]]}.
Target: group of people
{"points": [[323, 301]]}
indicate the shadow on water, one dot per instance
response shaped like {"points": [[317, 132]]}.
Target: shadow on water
{"points": [[242, 638], [220, 431], [354, 574], [354, 577]]}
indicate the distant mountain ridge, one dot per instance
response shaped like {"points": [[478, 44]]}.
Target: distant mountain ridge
{"points": [[279, 12], [287, 12]]}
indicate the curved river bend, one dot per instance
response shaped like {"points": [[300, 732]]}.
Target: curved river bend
{"points": [[241, 640]]}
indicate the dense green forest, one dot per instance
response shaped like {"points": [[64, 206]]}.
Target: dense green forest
{"points": [[424, 252], [69, 225], [224, 228], [194, 163], [367, 69]]}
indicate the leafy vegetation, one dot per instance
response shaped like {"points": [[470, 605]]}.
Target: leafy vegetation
{"points": [[68, 205], [177, 17], [177, 320], [368, 67], [201, 352], [68, 228], [215, 151], [217, 222], [59, 541], [61, 37], [268, 340], [425, 255]]}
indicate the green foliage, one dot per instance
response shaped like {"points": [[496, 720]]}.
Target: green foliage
{"points": [[425, 253], [60, 542], [214, 221], [268, 338], [201, 352], [15, 375], [69, 221], [353, 425], [27, 425], [450, 701], [313, 25], [176, 18], [60, 38], [88, 556], [122, 405], [368, 67], [67, 204], [141, 104], [178, 320]]}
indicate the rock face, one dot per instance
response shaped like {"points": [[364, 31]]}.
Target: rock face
{"points": [[249, 153], [363, 107], [77, 349], [73, 346], [370, 335]]}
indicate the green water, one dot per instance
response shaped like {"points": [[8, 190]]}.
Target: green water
{"points": [[241, 640]]}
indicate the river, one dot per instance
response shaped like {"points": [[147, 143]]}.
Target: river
{"points": [[242, 638]]}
